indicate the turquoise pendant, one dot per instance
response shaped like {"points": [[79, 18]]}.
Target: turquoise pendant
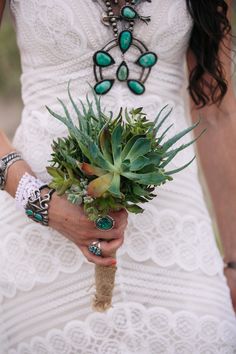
{"points": [[147, 60], [105, 223], [125, 40], [136, 87], [103, 59], [128, 13], [104, 86], [122, 72]]}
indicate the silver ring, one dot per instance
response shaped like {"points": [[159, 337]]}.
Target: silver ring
{"points": [[95, 248]]}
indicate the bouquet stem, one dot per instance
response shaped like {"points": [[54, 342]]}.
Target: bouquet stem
{"points": [[104, 282]]}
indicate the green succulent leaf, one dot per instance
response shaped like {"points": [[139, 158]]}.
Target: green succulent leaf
{"points": [[115, 185], [184, 146], [141, 147], [180, 168], [129, 145], [152, 178], [139, 163], [134, 209], [116, 142], [105, 144], [178, 136]]}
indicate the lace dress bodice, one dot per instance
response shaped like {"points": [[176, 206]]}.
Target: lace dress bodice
{"points": [[170, 291]]}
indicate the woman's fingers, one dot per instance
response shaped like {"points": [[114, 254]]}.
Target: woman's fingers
{"points": [[108, 248], [108, 261]]}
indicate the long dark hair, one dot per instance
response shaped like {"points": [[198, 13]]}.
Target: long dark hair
{"points": [[210, 27]]}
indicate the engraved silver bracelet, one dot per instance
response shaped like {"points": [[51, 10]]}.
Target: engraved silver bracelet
{"points": [[38, 205]]}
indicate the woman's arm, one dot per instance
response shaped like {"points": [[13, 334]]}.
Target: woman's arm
{"points": [[217, 153], [17, 170]]}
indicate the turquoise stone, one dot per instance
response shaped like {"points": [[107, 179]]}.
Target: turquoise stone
{"points": [[29, 212], [136, 87], [102, 87], [128, 13], [122, 73], [104, 223], [95, 250], [38, 217], [147, 60], [125, 40], [103, 59]]}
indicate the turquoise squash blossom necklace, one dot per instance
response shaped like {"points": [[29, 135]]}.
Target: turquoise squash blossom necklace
{"points": [[124, 40]]}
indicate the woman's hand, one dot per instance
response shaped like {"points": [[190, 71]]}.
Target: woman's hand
{"points": [[71, 221], [231, 279]]}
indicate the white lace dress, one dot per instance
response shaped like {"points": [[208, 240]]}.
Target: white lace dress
{"points": [[171, 295]]}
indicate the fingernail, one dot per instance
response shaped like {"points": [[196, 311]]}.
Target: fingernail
{"points": [[113, 262]]}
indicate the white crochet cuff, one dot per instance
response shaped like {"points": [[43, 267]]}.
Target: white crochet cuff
{"points": [[26, 188]]}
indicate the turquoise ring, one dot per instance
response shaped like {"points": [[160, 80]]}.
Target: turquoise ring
{"points": [[105, 223], [95, 248]]}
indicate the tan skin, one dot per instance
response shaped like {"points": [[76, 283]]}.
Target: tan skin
{"points": [[216, 153]]}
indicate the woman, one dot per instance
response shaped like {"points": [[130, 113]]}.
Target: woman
{"points": [[171, 293]]}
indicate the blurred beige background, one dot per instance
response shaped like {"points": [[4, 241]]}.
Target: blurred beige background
{"points": [[10, 102]]}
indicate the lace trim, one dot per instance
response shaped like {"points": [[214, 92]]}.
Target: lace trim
{"points": [[168, 239], [26, 188], [131, 328], [37, 254]]}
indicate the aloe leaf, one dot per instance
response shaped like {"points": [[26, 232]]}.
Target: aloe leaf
{"points": [[159, 114], [164, 134], [141, 147], [76, 109], [115, 185], [116, 144], [100, 185], [169, 159], [178, 136], [180, 168], [66, 111], [184, 146], [157, 128], [64, 120]]}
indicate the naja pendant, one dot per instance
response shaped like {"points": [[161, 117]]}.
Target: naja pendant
{"points": [[103, 58]]}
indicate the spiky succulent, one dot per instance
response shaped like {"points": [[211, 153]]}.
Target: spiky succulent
{"points": [[111, 163]]}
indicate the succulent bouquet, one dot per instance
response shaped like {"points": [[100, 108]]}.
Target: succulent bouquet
{"points": [[108, 163]]}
